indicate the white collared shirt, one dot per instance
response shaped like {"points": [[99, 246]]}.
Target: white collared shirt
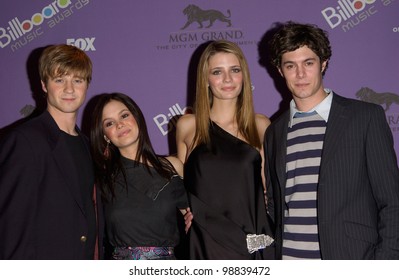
{"points": [[323, 108]]}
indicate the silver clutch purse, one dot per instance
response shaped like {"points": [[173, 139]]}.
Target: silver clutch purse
{"points": [[256, 242]]}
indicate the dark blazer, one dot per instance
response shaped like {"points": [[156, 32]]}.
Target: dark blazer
{"points": [[41, 212], [358, 192]]}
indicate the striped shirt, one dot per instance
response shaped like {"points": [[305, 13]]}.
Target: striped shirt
{"points": [[304, 149]]}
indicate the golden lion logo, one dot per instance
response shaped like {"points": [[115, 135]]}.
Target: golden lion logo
{"points": [[195, 14], [380, 98]]}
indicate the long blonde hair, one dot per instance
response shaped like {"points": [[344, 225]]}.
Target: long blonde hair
{"points": [[245, 114]]}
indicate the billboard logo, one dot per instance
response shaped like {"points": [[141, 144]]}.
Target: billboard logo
{"points": [[166, 122], [16, 28], [85, 44], [196, 14], [19, 33], [347, 9]]}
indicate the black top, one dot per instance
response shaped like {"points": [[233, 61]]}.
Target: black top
{"points": [[84, 168], [146, 213], [225, 189]]}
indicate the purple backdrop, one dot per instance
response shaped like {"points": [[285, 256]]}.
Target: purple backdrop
{"points": [[140, 48]]}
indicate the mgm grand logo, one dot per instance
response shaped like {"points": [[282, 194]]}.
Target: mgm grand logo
{"points": [[200, 16], [385, 99], [204, 25]]}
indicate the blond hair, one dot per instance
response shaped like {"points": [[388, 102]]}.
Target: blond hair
{"points": [[245, 115], [58, 60]]}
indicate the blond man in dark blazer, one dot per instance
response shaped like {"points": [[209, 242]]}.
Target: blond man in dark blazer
{"points": [[46, 177]]}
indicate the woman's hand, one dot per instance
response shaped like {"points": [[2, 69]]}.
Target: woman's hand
{"points": [[188, 217]]}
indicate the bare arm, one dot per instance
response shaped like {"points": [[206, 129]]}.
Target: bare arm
{"points": [[186, 212], [177, 164], [185, 130], [262, 122]]}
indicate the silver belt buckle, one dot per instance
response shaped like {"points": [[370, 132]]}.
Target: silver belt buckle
{"points": [[256, 242]]}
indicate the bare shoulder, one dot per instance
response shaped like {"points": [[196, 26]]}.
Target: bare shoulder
{"points": [[186, 122], [185, 128], [177, 164], [262, 122], [185, 131]]}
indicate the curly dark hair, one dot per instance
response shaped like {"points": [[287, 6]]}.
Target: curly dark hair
{"points": [[292, 35]]}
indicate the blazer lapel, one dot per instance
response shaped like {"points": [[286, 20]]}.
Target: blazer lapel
{"points": [[281, 151], [337, 122]]}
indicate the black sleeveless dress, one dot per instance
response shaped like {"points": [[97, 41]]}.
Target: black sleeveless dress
{"points": [[224, 185]]}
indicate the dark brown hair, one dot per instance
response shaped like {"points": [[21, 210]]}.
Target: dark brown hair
{"points": [[291, 36], [107, 167]]}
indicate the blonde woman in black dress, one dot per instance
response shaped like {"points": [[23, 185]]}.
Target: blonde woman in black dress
{"points": [[221, 147]]}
